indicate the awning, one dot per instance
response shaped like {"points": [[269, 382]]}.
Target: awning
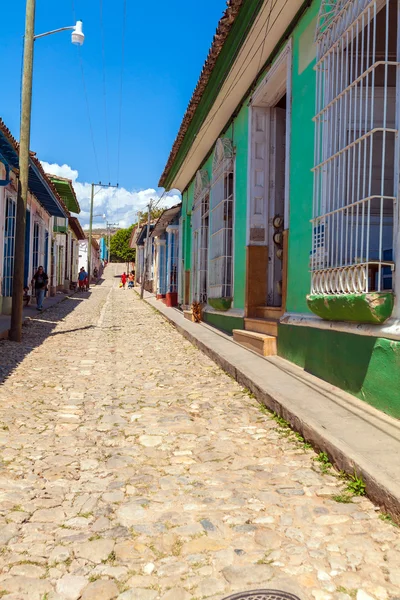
{"points": [[66, 191], [165, 219], [38, 182]]}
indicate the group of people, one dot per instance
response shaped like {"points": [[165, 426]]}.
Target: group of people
{"points": [[127, 278]]}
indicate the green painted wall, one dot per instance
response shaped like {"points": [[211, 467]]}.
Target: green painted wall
{"points": [[301, 161], [240, 132], [367, 367], [224, 322]]}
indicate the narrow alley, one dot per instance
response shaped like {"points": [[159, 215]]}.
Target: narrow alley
{"points": [[132, 467]]}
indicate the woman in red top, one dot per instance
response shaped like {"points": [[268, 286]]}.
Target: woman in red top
{"points": [[123, 279]]}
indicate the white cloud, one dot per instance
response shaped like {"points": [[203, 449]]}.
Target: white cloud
{"points": [[118, 204]]}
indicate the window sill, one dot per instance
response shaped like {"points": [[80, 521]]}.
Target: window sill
{"points": [[371, 308]]}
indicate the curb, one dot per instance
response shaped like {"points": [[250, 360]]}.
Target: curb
{"points": [[378, 486]]}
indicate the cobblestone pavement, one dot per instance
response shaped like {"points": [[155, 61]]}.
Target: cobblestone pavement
{"points": [[131, 467]]}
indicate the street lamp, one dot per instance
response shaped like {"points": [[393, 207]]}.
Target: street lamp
{"points": [[24, 144]]}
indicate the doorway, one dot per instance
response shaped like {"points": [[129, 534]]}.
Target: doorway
{"points": [[268, 192]]}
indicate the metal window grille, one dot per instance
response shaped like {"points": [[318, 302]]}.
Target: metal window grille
{"points": [[35, 252], [221, 248], [173, 260], [200, 229], [356, 154], [9, 247]]}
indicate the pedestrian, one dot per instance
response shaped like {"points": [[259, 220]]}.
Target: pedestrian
{"points": [[123, 279], [40, 281], [26, 297], [131, 280], [82, 279]]}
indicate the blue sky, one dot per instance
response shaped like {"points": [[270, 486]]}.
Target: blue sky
{"points": [[166, 45]]}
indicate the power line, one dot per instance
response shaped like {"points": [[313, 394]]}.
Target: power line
{"points": [[86, 98], [121, 85], [103, 54]]}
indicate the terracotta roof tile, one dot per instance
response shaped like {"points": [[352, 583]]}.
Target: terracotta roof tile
{"points": [[223, 30]]}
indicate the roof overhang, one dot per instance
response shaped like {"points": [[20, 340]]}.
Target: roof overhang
{"points": [[270, 23], [66, 191], [38, 182], [76, 228], [165, 219]]}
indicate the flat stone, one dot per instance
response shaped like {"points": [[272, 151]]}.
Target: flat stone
{"points": [[150, 441], [95, 551], [131, 514], [176, 594], [28, 570], [268, 539], [211, 587], [207, 525], [35, 589], [332, 519], [100, 590], [70, 586], [138, 594], [59, 554], [203, 544], [253, 574], [48, 515]]}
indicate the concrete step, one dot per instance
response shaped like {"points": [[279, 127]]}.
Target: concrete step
{"points": [[265, 345], [188, 315], [269, 312], [266, 326]]}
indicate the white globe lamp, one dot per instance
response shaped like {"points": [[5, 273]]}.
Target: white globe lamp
{"points": [[78, 36]]}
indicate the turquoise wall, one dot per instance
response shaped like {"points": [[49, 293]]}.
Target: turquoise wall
{"points": [[238, 132], [301, 161]]}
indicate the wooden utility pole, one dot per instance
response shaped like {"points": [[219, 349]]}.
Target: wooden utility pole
{"points": [[22, 198]]}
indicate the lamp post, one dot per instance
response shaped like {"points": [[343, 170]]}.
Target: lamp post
{"points": [[24, 143]]}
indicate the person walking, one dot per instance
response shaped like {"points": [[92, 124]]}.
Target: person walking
{"points": [[40, 281], [123, 279], [131, 280], [82, 279]]}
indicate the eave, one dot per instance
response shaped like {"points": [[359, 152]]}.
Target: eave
{"points": [[265, 34]]}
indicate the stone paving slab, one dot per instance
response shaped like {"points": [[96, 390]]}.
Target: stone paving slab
{"points": [[356, 436], [133, 468]]}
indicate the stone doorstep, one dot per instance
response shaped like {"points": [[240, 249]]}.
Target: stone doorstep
{"points": [[356, 436], [263, 344], [266, 326]]}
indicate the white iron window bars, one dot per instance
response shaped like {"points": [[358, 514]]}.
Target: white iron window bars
{"points": [[200, 229], [221, 250], [9, 246], [355, 173]]}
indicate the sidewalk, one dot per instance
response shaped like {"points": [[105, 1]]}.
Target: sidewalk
{"points": [[30, 312], [356, 436]]}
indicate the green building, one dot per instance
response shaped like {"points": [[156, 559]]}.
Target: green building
{"points": [[287, 159]]}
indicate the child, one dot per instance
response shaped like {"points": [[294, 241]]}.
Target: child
{"points": [[123, 279], [26, 297], [131, 280]]}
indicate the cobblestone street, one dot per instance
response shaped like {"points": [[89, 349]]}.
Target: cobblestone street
{"points": [[132, 467]]}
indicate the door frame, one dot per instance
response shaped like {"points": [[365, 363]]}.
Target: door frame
{"points": [[276, 83]]}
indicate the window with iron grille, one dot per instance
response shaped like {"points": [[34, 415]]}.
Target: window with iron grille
{"points": [[356, 154], [200, 231], [172, 258], [221, 247], [9, 246]]}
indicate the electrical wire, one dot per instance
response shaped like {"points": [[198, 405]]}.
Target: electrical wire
{"points": [[86, 99], [121, 85], [103, 55], [235, 82]]}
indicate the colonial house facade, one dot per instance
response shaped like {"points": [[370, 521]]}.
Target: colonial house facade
{"points": [[43, 205], [67, 233], [288, 164], [165, 241]]}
